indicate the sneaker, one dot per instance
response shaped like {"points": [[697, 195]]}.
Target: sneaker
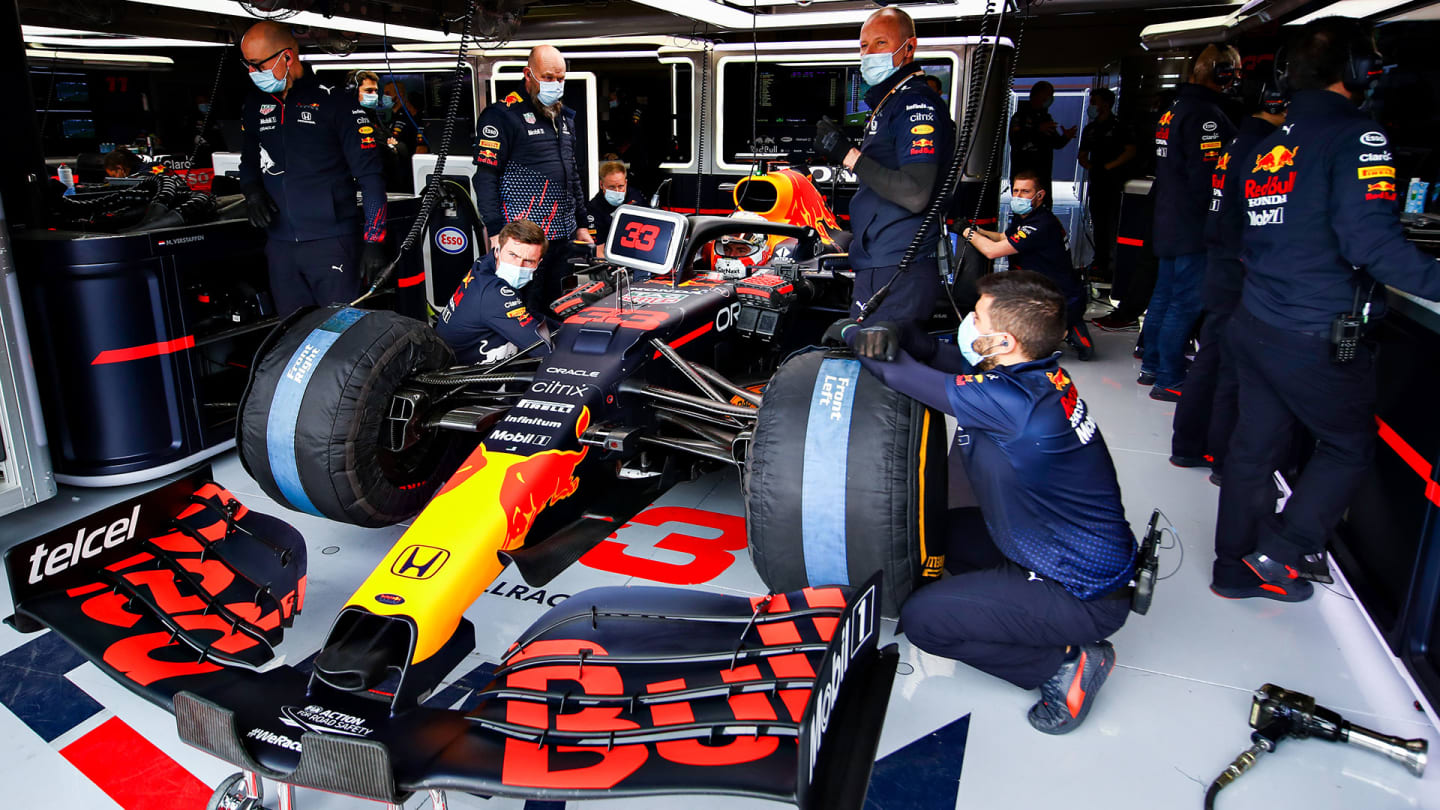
{"points": [[1112, 323], [1295, 590], [1191, 461], [1145, 378], [1309, 566], [1138, 352], [1066, 698], [1080, 344], [1165, 394]]}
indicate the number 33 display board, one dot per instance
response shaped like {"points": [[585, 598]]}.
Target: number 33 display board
{"points": [[645, 239]]}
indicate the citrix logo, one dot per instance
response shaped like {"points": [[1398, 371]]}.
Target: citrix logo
{"points": [[85, 546]]}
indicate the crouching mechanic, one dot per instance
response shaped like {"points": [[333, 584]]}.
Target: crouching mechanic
{"points": [[486, 321], [1036, 240], [1033, 601]]}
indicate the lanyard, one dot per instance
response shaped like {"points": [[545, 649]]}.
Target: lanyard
{"points": [[876, 112]]}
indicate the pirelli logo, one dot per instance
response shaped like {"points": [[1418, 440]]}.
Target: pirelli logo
{"points": [[1371, 172], [419, 562], [1208, 145]]}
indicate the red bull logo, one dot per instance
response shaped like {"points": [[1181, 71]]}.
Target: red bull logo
{"points": [[1167, 118], [1223, 163], [1271, 186], [1383, 190], [1275, 160], [923, 143]]}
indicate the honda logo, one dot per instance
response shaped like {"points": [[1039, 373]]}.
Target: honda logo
{"points": [[419, 562]]}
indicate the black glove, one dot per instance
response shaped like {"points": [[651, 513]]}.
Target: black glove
{"points": [[260, 208], [372, 261], [831, 142], [835, 335], [878, 342]]}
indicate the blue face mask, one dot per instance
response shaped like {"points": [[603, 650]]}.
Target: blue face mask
{"points": [[1021, 205], [513, 274], [877, 67], [614, 197], [204, 108], [370, 100], [266, 81], [550, 92], [966, 336], [386, 102], [1091, 113]]}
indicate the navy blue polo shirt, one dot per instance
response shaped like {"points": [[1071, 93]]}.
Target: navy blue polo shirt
{"points": [[1188, 141], [310, 150], [485, 319], [1039, 242], [1037, 462], [908, 125], [1225, 225], [1320, 198], [525, 168]]}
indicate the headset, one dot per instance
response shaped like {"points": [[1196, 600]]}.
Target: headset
{"points": [[1227, 73], [1363, 64], [1272, 100]]}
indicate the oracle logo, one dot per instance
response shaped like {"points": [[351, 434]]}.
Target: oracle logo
{"points": [[451, 240]]}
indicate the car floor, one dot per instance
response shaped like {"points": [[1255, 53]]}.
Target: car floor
{"points": [[1171, 717]]}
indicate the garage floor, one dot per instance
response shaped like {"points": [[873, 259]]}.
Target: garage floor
{"points": [[1172, 716]]}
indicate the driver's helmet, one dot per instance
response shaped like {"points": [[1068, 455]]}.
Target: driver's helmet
{"points": [[735, 254]]}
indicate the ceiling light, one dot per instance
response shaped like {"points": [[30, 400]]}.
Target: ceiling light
{"points": [[120, 42], [107, 58], [310, 18], [1358, 9]]}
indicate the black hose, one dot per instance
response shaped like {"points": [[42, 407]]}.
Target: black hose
{"points": [[964, 142], [1211, 794], [441, 378], [209, 111], [431, 195]]}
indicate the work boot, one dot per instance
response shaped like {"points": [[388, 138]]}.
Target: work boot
{"points": [[1080, 344], [1190, 461], [1309, 566], [1292, 590], [1171, 394], [1066, 698]]}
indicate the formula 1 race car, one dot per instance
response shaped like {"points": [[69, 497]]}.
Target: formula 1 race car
{"points": [[670, 361]]}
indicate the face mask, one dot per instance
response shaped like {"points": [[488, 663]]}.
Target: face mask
{"points": [[550, 92], [966, 336], [370, 100], [204, 108], [1021, 206], [614, 104], [386, 102], [877, 67], [1091, 113], [266, 81], [513, 274], [614, 197]]}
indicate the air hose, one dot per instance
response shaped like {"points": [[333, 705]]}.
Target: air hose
{"points": [[964, 142], [431, 194]]}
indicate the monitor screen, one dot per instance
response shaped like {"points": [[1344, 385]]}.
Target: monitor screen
{"points": [[72, 92], [791, 96], [645, 239], [77, 128]]}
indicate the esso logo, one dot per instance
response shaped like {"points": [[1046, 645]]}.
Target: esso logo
{"points": [[451, 240]]}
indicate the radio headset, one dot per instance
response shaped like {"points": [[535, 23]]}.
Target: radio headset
{"points": [[1363, 66]]}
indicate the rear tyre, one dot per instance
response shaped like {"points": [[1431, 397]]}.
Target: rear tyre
{"points": [[312, 418], [845, 477]]}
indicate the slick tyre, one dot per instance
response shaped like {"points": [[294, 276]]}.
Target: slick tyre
{"points": [[845, 477], [313, 417]]}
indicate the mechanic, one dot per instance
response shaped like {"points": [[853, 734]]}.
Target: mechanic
{"points": [[1188, 141], [1035, 137], [1107, 150], [908, 135], [1205, 416], [1322, 234], [304, 153], [405, 130], [526, 168], [121, 162], [615, 191], [1042, 580], [1036, 239], [485, 320], [367, 91]]}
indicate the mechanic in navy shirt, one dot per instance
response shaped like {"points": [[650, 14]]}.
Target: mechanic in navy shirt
{"points": [[1045, 578], [907, 138], [1205, 416], [1036, 240], [615, 191], [1321, 231], [485, 320], [1188, 141], [307, 147], [526, 169], [1035, 136], [1107, 151]]}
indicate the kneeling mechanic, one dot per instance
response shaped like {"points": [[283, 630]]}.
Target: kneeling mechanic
{"points": [[1041, 581], [485, 320]]}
